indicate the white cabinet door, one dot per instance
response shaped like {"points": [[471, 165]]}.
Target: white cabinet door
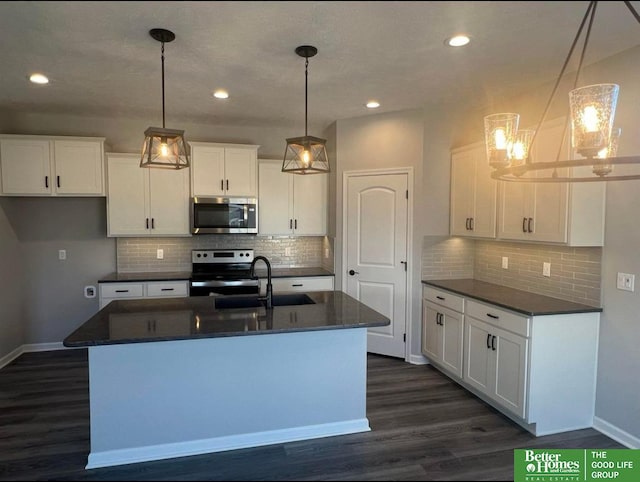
{"points": [[240, 171], [512, 216], [169, 202], [78, 167], [483, 224], [451, 326], [207, 170], [26, 166], [309, 204], [462, 191], [127, 196], [477, 349], [431, 333], [275, 200], [510, 370]]}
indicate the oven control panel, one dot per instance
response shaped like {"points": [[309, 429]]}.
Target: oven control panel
{"points": [[221, 256]]}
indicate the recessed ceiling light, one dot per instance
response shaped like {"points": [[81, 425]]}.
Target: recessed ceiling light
{"points": [[39, 79], [458, 41], [373, 104], [221, 94]]}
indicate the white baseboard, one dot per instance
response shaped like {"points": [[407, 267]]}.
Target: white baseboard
{"points": [[616, 433], [5, 360], [418, 360], [219, 444]]}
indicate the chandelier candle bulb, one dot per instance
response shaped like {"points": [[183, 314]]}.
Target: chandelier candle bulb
{"points": [[500, 133]]}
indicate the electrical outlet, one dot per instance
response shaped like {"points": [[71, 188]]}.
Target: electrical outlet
{"points": [[89, 291], [546, 269], [626, 282], [326, 252], [287, 251], [62, 254], [160, 254], [505, 262]]}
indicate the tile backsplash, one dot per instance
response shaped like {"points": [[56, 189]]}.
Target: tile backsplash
{"points": [[575, 272], [139, 254]]}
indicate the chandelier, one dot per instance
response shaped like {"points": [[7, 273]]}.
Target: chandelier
{"points": [[164, 148], [593, 134], [306, 154]]}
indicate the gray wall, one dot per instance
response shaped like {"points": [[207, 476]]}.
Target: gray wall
{"points": [[11, 319]]}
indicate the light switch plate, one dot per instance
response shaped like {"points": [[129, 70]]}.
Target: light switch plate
{"points": [[160, 254], [546, 269], [505, 262], [287, 251], [62, 254], [626, 281]]}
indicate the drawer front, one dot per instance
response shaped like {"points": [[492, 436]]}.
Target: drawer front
{"points": [[320, 283], [121, 290], [167, 289], [499, 317], [444, 298]]}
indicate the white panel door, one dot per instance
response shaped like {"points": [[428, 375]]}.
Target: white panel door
{"points": [[240, 171], [169, 202], [78, 167], [376, 248], [207, 170], [275, 199], [127, 196], [309, 204]]}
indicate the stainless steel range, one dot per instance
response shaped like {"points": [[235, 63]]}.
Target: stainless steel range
{"points": [[216, 272]]}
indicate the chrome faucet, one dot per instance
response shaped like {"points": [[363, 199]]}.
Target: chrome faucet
{"points": [[269, 293]]}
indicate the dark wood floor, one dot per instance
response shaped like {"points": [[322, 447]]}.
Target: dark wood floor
{"points": [[424, 427]]}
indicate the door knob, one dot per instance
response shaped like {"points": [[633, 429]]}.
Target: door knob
{"points": [[351, 272]]}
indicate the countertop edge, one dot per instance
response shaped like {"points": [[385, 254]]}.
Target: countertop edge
{"points": [[586, 309]]}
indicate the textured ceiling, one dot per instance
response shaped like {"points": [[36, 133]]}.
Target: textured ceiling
{"points": [[102, 61]]}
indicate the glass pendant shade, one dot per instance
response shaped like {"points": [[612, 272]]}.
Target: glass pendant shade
{"points": [[519, 150], [164, 148], [592, 110], [306, 155], [500, 132], [602, 165]]}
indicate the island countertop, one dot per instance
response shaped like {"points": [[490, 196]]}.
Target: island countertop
{"points": [[150, 320], [525, 302]]}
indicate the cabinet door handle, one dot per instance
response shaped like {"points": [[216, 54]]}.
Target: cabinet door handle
{"points": [[440, 298], [222, 184], [493, 343], [147, 223], [227, 184], [441, 319], [46, 181], [495, 317], [166, 289], [488, 340], [153, 223], [295, 224], [290, 223], [524, 225], [529, 225], [466, 224], [122, 291], [58, 180], [471, 224]]}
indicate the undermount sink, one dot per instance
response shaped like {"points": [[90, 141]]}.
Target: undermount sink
{"points": [[253, 301]]}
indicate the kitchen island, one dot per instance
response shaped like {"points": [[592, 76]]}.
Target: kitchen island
{"points": [[176, 377]]}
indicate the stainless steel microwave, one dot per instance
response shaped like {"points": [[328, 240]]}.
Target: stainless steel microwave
{"points": [[224, 215]]}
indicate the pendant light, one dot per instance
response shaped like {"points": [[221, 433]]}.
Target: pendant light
{"points": [[164, 148], [306, 154], [593, 134]]}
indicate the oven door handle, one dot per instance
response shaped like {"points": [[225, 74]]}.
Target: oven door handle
{"points": [[224, 283]]}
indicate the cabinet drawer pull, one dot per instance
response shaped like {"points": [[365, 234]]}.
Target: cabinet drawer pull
{"points": [[440, 298], [529, 225], [166, 289], [524, 225], [488, 340], [495, 317], [300, 284], [493, 343], [122, 291]]}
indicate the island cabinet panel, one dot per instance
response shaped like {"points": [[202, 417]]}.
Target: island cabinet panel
{"points": [[519, 363], [301, 284], [52, 166], [224, 169], [146, 201]]}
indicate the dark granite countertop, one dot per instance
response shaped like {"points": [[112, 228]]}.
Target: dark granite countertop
{"points": [[530, 304], [149, 320], [185, 275]]}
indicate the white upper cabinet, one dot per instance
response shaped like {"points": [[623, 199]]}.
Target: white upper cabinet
{"points": [[146, 201], [473, 193], [223, 169], [291, 204], [52, 166], [553, 212]]}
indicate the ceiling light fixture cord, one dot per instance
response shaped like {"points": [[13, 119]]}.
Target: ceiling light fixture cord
{"points": [[306, 93], [162, 57], [633, 10]]}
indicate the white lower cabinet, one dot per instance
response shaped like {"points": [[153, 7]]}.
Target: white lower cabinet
{"points": [[442, 332], [135, 290], [538, 370], [303, 283]]}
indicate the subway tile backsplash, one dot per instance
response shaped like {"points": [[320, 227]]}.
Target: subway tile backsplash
{"points": [[575, 272], [139, 254]]}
